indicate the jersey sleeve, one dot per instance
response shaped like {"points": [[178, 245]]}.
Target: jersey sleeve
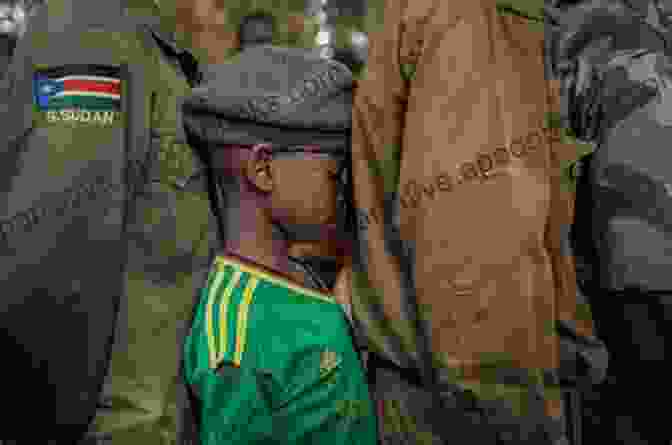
{"points": [[232, 405], [242, 411], [319, 401]]}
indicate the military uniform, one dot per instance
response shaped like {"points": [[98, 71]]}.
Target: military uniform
{"points": [[270, 360], [170, 240], [119, 224], [460, 217], [615, 96]]}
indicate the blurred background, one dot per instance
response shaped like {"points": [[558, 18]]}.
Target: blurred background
{"points": [[14, 18], [334, 28]]}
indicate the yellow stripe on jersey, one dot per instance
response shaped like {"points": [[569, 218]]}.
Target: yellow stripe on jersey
{"points": [[221, 262], [217, 356], [212, 295], [223, 315], [243, 311]]}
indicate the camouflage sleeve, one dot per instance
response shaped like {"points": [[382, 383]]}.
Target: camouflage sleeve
{"points": [[379, 110], [178, 168], [564, 152], [582, 354], [171, 239], [585, 40]]}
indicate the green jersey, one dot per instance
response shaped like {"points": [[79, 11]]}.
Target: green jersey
{"points": [[273, 362]]}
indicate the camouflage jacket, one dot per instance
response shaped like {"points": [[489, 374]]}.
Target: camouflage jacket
{"points": [[119, 222], [462, 208]]}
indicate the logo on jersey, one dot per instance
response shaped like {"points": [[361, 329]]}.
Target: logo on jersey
{"points": [[329, 361], [79, 93]]}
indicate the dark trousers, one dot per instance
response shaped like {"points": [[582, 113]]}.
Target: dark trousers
{"points": [[630, 407]]}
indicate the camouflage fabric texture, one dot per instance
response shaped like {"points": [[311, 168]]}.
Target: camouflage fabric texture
{"points": [[171, 238], [491, 297], [593, 41], [612, 61], [64, 203], [165, 213], [512, 417]]}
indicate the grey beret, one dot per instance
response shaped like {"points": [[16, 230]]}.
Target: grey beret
{"points": [[280, 96]]}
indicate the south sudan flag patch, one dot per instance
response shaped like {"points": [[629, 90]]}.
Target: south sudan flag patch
{"points": [[94, 88]]}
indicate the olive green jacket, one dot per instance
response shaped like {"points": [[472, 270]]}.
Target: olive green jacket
{"points": [[105, 225]]}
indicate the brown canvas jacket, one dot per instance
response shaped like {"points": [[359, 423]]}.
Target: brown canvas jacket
{"points": [[460, 196]]}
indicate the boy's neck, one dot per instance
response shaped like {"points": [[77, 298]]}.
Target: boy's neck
{"points": [[270, 253], [257, 241], [254, 255]]}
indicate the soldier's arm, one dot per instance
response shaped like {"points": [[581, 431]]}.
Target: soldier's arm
{"points": [[575, 321], [176, 165], [379, 109]]}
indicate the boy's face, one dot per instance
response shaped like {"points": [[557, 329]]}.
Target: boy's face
{"points": [[302, 188], [305, 189]]}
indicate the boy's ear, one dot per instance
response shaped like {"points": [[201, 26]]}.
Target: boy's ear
{"points": [[259, 169]]}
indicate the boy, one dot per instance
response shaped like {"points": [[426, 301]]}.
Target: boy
{"points": [[269, 360]]}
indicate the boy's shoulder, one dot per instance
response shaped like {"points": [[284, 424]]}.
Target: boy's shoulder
{"points": [[237, 290], [272, 283]]}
